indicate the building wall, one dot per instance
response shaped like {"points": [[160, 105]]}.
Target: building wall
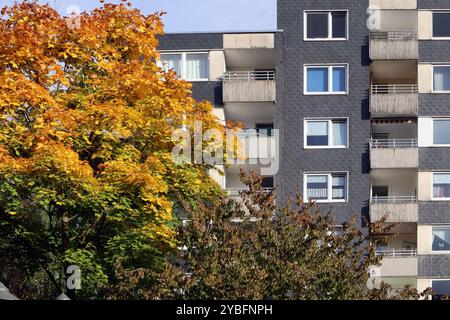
{"points": [[294, 106]]}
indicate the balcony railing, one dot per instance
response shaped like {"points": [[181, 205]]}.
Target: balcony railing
{"points": [[393, 199], [393, 143], [397, 253], [249, 75], [237, 191], [393, 35], [394, 89]]}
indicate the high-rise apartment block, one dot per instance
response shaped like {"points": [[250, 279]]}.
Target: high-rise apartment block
{"points": [[359, 94]]}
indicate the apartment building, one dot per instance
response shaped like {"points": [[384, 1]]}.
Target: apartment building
{"points": [[359, 91]]}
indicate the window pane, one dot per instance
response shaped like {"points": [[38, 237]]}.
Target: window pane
{"points": [[339, 133], [317, 80], [440, 288], [171, 62], [339, 24], [317, 133], [317, 25], [317, 187], [441, 185], [441, 24], [339, 79], [196, 66], [441, 78], [339, 187], [441, 239], [441, 131]]}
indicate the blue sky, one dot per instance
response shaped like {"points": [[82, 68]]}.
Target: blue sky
{"points": [[196, 15]]}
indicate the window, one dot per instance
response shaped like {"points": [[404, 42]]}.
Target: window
{"points": [[441, 186], [324, 133], [441, 289], [325, 25], [441, 131], [267, 182], [326, 79], [441, 78], [190, 66], [441, 25], [326, 187], [441, 239]]}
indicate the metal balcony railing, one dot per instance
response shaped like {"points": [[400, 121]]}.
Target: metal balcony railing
{"points": [[393, 143], [394, 89], [393, 199], [393, 35], [397, 253], [237, 191], [249, 75]]}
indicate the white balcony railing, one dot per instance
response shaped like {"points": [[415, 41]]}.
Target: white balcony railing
{"points": [[397, 253], [237, 191], [249, 75], [393, 35], [394, 89], [393, 199], [393, 143]]}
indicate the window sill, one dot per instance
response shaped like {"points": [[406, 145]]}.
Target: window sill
{"points": [[324, 147], [327, 93], [329, 201], [325, 39]]}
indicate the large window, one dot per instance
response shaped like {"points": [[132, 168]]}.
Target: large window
{"points": [[441, 288], [441, 132], [441, 25], [326, 79], [326, 133], [190, 66], [441, 186], [441, 78], [441, 239], [326, 187], [326, 25]]}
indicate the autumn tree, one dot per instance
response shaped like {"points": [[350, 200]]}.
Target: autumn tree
{"points": [[250, 249], [86, 174]]}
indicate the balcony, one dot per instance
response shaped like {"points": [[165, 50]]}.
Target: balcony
{"points": [[394, 4], [251, 86], [394, 45], [394, 100], [396, 208], [399, 263], [394, 153]]}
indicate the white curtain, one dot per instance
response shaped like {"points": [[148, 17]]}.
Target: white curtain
{"points": [[339, 133], [339, 183], [441, 78], [317, 187], [171, 62], [196, 66]]}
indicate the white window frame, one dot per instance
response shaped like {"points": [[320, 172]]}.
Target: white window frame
{"points": [[433, 198], [183, 63], [329, 187], [432, 23], [330, 25], [439, 145], [330, 79], [431, 241], [330, 133], [432, 77]]}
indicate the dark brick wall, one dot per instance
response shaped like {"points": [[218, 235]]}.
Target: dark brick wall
{"points": [[209, 90], [295, 106], [431, 104], [434, 159], [434, 266], [434, 212]]}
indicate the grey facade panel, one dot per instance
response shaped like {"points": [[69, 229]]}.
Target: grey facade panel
{"points": [[191, 41], [209, 90], [433, 4], [434, 212], [434, 104], [436, 266], [295, 106], [434, 50], [434, 159]]}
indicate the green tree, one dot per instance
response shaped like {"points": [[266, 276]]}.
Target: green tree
{"points": [[86, 174]]}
